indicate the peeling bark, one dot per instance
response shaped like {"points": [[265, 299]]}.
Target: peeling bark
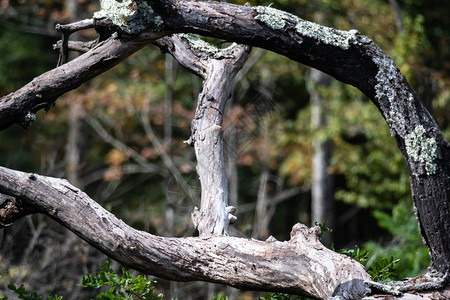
{"points": [[207, 138], [12, 209]]}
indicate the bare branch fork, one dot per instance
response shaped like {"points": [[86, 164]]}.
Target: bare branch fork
{"points": [[278, 266], [66, 31]]}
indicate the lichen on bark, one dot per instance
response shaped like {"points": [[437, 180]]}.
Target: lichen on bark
{"points": [[197, 43], [422, 149], [276, 19], [136, 15]]}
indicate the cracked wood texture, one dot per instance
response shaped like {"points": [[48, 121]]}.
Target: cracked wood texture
{"points": [[207, 138], [362, 65], [301, 265], [218, 68]]}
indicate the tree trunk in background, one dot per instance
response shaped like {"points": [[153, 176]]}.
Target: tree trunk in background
{"points": [[261, 224], [232, 149], [73, 149], [397, 13], [170, 81], [76, 111], [170, 75], [322, 181]]}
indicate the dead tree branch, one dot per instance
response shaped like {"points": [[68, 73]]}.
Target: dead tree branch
{"points": [[41, 93], [218, 67], [299, 266]]}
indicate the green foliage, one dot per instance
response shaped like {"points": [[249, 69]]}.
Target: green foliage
{"points": [[275, 296], [219, 297], [281, 296], [20, 60], [383, 269], [357, 254], [406, 244], [323, 228], [23, 294], [120, 287], [364, 137], [410, 46]]}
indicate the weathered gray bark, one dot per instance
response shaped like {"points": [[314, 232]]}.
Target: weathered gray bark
{"points": [[354, 59], [300, 266], [207, 138], [12, 209], [348, 56], [217, 67]]}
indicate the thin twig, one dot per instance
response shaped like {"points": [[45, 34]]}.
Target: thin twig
{"points": [[160, 149], [120, 145]]}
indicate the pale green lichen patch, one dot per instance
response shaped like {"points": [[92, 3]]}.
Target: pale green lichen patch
{"points": [[28, 119], [272, 17], [118, 12], [388, 91], [422, 149], [137, 15], [197, 43], [327, 35], [276, 19]]}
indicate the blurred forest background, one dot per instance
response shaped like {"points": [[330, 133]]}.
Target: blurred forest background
{"points": [[299, 146]]}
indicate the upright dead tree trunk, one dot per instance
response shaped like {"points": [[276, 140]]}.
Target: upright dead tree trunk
{"points": [[217, 67], [322, 181]]}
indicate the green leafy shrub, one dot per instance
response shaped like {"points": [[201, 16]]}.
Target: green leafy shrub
{"points": [[120, 287], [357, 254], [218, 297], [281, 296], [384, 269], [23, 294], [381, 269], [406, 242], [275, 296]]}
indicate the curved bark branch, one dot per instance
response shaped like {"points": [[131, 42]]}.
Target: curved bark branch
{"points": [[352, 58], [218, 67], [299, 266], [42, 91]]}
